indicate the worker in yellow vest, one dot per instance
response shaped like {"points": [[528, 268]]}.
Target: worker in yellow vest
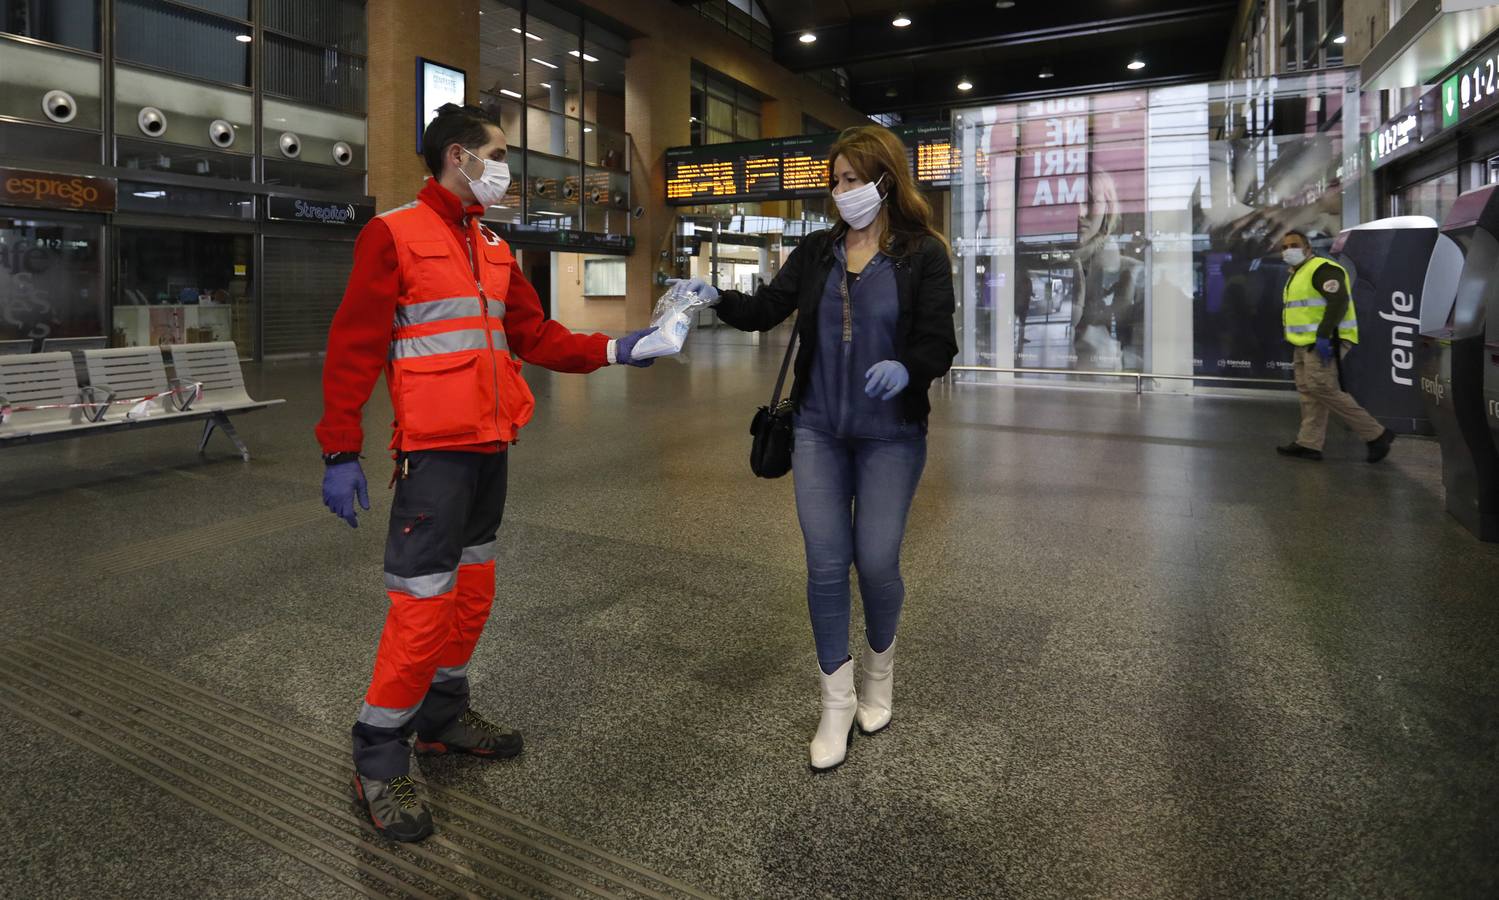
{"points": [[1321, 326]]}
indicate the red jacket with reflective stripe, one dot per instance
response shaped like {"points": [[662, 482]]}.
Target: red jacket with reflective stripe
{"points": [[438, 303]]}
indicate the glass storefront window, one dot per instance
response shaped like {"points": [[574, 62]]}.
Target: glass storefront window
{"points": [[1137, 231], [1432, 197], [179, 287], [72, 23], [51, 279], [177, 39]]}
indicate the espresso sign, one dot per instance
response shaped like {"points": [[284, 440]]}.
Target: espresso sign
{"points": [[21, 187]]}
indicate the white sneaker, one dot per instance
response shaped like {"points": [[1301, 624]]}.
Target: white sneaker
{"points": [[839, 704], [876, 689]]}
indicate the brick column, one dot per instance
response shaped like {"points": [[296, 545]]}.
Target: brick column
{"points": [[658, 103]]}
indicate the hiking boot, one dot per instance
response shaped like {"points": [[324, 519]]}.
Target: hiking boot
{"points": [[1300, 452], [1379, 448], [471, 733], [394, 807]]}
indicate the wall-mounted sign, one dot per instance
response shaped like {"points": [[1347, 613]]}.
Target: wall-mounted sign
{"points": [[436, 84], [791, 168], [1396, 137], [319, 212], [1473, 89], [49, 190]]}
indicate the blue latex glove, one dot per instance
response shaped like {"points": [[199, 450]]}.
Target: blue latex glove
{"points": [[1324, 349], [341, 484], [702, 288], [626, 345], [888, 376]]}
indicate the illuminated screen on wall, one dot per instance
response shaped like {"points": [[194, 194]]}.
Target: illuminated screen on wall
{"points": [[436, 84], [790, 168]]}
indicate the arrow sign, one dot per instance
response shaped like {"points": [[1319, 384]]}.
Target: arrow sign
{"points": [[1449, 102]]}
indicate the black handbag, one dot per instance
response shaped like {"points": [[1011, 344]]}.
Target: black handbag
{"points": [[770, 451]]}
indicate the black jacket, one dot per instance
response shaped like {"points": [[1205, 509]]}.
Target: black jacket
{"points": [[925, 342]]}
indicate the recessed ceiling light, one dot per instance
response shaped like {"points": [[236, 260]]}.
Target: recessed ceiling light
{"points": [[891, 92], [528, 34], [1340, 39], [545, 84], [965, 85], [901, 21], [1004, 4], [1045, 72], [808, 37], [588, 131], [509, 93], [243, 38], [544, 63], [1136, 65], [586, 57]]}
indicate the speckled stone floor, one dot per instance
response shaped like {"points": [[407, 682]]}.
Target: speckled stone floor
{"points": [[1143, 656]]}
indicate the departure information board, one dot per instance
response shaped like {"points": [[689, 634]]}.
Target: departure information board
{"points": [[791, 168]]}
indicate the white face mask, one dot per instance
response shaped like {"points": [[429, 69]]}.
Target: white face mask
{"points": [[1294, 256], [859, 206], [490, 188]]}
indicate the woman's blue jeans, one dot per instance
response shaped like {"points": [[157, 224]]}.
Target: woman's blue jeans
{"points": [[852, 498]]}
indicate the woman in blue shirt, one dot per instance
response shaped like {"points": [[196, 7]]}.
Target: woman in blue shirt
{"points": [[875, 301]]}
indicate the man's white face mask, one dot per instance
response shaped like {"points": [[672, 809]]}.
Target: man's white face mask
{"points": [[491, 186], [1294, 256]]}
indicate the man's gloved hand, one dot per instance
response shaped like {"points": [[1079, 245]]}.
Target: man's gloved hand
{"points": [[342, 482], [1324, 349], [702, 288], [625, 346], [888, 376]]}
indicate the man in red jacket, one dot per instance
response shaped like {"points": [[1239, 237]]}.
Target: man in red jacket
{"points": [[437, 302]]}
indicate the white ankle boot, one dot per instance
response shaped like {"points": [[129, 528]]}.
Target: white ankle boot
{"points": [[830, 744], [876, 689]]}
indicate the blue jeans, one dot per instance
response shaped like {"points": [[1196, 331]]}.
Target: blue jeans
{"points": [[852, 497]]}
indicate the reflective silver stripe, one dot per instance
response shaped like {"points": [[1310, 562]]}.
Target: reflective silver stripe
{"points": [[446, 342], [1348, 323], [437, 311], [422, 587], [1301, 303], [387, 716], [496, 309], [1301, 329], [450, 673], [480, 553]]}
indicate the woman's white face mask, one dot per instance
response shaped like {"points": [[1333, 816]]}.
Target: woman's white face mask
{"points": [[859, 206], [489, 189]]}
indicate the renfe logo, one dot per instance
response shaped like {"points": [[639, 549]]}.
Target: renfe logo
{"points": [[1402, 337], [331, 212], [1434, 387], [1494, 409]]}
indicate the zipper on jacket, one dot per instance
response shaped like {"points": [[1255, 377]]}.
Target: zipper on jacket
{"points": [[494, 366]]}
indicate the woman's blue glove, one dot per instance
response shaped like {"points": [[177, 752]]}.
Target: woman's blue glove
{"points": [[625, 346], [888, 376], [342, 482], [699, 286], [1324, 349]]}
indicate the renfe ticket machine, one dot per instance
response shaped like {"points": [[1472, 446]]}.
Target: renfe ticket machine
{"points": [[1387, 263], [1451, 357]]}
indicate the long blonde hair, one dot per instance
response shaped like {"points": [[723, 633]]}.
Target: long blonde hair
{"points": [[874, 152]]}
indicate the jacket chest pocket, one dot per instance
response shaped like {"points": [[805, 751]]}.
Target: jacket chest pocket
{"points": [[437, 272], [495, 263]]}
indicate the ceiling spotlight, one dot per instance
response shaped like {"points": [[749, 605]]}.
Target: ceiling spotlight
{"points": [[901, 21], [1046, 72], [1004, 4], [808, 38], [243, 38], [1136, 65], [1340, 39], [965, 85]]}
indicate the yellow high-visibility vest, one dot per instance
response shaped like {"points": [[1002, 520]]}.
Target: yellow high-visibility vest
{"points": [[1305, 305]]}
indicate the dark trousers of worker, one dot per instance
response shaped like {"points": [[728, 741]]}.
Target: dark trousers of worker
{"points": [[1317, 384], [439, 576]]}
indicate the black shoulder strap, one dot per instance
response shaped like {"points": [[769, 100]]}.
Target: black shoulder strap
{"points": [[775, 399]]}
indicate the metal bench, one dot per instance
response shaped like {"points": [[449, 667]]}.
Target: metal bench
{"points": [[50, 345], [42, 379], [216, 366], [12, 348], [48, 379]]}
